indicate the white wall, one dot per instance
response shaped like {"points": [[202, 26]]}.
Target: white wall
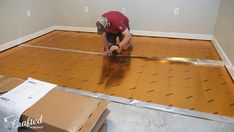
{"points": [[196, 16], [224, 31], [15, 24]]}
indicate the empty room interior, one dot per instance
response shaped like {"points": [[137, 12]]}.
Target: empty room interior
{"points": [[116, 66]]}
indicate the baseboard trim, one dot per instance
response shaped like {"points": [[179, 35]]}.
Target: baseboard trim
{"points": [[21, 40], [172, 35], [143, 33], [224, 57], [79, 29]]}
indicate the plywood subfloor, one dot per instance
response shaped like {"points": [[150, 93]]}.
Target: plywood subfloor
{"points": [[202, 88]]}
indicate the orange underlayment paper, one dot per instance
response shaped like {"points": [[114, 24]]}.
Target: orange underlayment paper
{"points": [[185, 85]]}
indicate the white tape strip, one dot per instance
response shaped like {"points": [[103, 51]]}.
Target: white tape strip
{"points": [[172, 59], [19, 99], [60, 49]]}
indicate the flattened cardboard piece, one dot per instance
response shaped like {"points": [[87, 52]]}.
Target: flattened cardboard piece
{"points": [[63, 111]]}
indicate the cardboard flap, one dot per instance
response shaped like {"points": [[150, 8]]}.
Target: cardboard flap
{"points": [[66, 111]]}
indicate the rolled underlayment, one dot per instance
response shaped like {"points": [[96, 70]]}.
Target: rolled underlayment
{"points": [[206, 88]]}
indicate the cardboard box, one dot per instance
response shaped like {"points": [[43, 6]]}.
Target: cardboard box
{"points": [[62, 111]]}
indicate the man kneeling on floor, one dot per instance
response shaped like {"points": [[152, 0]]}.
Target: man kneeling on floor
{"points": [[111, 25]]}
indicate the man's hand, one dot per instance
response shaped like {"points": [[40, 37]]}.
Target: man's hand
{"points": [[113, 48], [107, 52]]}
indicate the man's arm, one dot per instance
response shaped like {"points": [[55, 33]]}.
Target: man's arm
{"points": [[125, 41], [127, 38], [106, 46]]}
